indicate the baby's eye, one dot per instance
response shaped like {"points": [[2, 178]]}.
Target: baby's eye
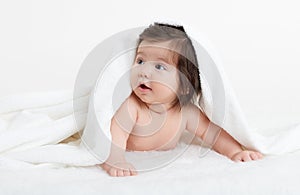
{"points": [[160, 67], [140, 61]]}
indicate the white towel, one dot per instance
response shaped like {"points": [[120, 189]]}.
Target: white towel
{"points": [[32, 125]]}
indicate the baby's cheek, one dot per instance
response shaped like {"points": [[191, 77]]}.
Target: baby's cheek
{"points": [[133, 80], [169, 81]]}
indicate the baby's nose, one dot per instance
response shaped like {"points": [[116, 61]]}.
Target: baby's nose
{"points": [[145, 71]]}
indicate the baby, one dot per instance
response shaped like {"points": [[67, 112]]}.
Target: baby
{"points": [[165, 82]]}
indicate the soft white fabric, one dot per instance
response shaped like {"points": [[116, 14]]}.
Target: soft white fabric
{"points": [[35, 123], [189, 174]]}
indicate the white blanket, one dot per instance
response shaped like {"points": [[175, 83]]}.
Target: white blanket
{"points": [[33, 125]]}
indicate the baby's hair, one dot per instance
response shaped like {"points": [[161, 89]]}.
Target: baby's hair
{"points": [[185, 58], [171, 26]]}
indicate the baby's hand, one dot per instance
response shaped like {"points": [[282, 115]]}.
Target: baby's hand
{"points": [[119, 169], [246, 155]]}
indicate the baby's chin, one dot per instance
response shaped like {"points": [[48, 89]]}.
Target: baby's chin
{"points": [[139, 97], [144, 100]]}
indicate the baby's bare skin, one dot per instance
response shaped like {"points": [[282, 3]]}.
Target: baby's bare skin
{"points": [[156, 130], [161, 131], [151, 130]]}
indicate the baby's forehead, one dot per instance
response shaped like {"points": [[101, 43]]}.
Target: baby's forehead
{"points": [[154, 51], [158, 50], [163, 45]]}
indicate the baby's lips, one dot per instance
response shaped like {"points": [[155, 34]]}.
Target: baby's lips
{"points": [[144, 86]]}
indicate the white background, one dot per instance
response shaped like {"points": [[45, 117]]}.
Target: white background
{"points": [[43, 43]]}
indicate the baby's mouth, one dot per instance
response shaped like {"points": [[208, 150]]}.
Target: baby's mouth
{"points": [[144, 87]]}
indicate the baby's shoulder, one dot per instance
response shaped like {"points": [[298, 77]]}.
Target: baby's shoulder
{"points": [[133, 102], [191, 109], [129, 108], [192, 112]]}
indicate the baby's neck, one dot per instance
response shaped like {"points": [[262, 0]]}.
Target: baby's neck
{"points": [[160, 108]]}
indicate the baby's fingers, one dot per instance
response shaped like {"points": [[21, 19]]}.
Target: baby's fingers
{"points": [[133, 172], [253, 156], [239, 157], [129, 171], [113, 172], [246, 158], [125, 172], [120, 173], [256, 155]]}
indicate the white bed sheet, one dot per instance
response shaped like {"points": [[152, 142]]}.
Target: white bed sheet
{"points": [[213, 174]]}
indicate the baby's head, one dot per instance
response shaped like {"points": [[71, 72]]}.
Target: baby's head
{"points": [[172, 67]]}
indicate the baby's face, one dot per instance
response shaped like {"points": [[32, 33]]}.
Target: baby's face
{"points": [[154, 75]]}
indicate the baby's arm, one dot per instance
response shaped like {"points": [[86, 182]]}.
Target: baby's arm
{"points": [[217, 137], [228, 146], [121, 126]]}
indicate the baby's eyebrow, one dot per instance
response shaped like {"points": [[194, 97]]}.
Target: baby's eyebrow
{"points": [[140, 53], [163, 59]]}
